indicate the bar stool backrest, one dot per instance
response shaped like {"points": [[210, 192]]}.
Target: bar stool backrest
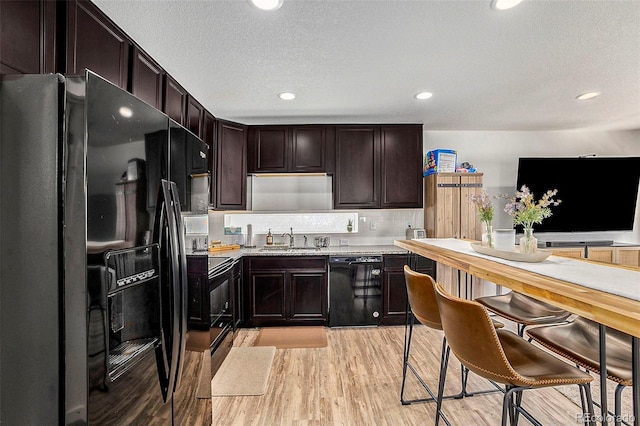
{"points": [[473, 338], [615, 337], [422, 298]]}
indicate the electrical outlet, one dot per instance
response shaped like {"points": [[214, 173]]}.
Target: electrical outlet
{"points": [[372, 226]]}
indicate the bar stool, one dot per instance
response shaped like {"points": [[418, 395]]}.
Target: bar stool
{"points": [[579, 342], [423, 307], [505, 357], [523, 310]]}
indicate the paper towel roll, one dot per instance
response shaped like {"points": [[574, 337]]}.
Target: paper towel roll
{"points": [[249, 239]]}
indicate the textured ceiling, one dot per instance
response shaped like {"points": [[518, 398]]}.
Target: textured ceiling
{"points": [[362, 61]]}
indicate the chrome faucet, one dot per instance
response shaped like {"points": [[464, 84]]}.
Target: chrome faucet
{"points": [[290, 234]]}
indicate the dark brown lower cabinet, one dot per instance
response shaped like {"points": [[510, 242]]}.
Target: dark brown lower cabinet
{"points": [[285, 291], [198, 289], [394, 289]]}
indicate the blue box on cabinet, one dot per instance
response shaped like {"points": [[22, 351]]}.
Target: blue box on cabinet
{"points": [[440, 161]]}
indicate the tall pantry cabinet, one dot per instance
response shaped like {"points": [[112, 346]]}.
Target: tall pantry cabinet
{"points": [[448, 213]]}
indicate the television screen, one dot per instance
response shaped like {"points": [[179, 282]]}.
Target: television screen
{"points": [[597, 193]]}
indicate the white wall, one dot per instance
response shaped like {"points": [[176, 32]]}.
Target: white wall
{"points": [[496, 155]]}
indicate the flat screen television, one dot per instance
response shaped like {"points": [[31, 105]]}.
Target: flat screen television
{"points": [[597, 193]]}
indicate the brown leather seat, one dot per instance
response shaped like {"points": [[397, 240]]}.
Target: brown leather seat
{"points": [[523, 310], [422, 299], [504, 356], [579, 341], [423, 306]]}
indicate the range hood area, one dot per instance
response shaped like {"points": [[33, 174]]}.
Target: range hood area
{"points": [[289, 192]]}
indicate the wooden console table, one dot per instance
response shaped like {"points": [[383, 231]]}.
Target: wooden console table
{"points": [[589, 300]]}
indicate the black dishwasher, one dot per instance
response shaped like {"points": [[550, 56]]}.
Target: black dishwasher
{"points": [[355, 290]]}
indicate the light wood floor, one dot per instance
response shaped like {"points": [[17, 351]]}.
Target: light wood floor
{"points": [[356, 381]]}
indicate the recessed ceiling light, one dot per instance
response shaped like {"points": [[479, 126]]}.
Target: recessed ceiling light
{"points": [[267, 4], [423, 95], [504, 4], [287, 96], [125, 112], [588, 95]]}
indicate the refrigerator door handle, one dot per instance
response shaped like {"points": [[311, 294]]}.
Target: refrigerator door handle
{"points": [[180, 289], [167, 353]]}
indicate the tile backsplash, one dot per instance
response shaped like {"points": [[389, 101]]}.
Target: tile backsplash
{"points": [[308, 222], [373, 227]]}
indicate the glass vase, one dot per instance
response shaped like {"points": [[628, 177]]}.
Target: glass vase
{"points": [[487, 236], [528, 243]]}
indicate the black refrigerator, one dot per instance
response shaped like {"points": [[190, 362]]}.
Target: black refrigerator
{"points": [[93, 267]]}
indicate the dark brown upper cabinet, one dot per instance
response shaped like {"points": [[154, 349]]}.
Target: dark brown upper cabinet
{"points": [[378, 167], [231, 166], [195, 116], [146, 79], [175, 100], [95, 43], [209, 126], [310, 149], [357, 182], [268, 149], [28, 37], [296, 149], [401, 174]]}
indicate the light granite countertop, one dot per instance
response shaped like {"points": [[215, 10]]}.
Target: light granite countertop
{"points": [[324, 251]]}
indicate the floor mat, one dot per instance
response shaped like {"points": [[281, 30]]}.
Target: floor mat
{"points": [[292, 337], [245, 371]]}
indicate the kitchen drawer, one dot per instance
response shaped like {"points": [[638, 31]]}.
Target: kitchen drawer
{"points": [[394, 261], [287, 263], [197, 264]]}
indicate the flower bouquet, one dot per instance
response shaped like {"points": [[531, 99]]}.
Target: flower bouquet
{"points": [[485, 213], [527, 212]]}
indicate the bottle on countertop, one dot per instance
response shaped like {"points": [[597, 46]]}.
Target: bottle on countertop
{"points": [[269, 238]]}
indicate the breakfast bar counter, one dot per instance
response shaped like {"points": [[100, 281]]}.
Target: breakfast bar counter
{"points": [[607, 294], [571, 284]]}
